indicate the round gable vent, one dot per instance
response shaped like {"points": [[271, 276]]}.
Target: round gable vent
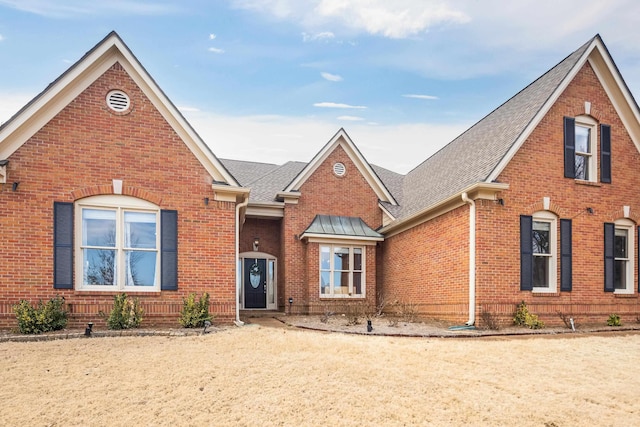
{"points": [[339, 169], [118, 101]]}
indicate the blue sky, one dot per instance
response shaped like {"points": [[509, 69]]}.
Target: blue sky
{"points": [[273, 80]]}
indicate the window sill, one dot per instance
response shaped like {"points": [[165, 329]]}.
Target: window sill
{"points": [[338, 296], [625, 295], [545, 294], [93, 293], [588, 183]]}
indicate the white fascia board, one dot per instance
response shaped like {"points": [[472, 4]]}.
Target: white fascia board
{"points": [[540, 115], [338, 239], [363, 167], [618, 94], [478, 191]]}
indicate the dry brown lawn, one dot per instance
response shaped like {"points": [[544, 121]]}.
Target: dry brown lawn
{"points": [[258, 376]]}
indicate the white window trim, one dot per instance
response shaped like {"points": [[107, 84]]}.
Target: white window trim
{"points": [[121, 204], [351, 271], [546, 216], [588, 122], [629, 226]]}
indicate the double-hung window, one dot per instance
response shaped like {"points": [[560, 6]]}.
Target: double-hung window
{"points": [[538, 253], [619, 253], [342, 271], [118, 243], [581, 157], [584, 158]]}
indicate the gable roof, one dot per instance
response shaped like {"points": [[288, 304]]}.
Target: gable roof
{"points": [[57, 95], [342, 139], [481, 153]]}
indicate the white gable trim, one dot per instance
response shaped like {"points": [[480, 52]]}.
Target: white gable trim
{"points": [[342, 139], [83, 73], [600, 60]]}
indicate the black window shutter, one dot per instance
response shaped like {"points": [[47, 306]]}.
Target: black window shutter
{"points": [[569, 147], [566, 263], [526, 253], [639, 260], [605, 154], [609, 236], [169, 250], [62, 245]]}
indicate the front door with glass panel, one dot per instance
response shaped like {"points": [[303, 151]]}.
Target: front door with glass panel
{"points": [[255, 283]]}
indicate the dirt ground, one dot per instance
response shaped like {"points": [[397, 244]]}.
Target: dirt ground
{"points": [[258, 375]]}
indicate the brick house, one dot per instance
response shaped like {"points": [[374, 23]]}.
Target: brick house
{"points": [[535, 202]]}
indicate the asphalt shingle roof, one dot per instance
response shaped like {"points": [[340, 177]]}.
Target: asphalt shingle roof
{"points": [[472, 156]]}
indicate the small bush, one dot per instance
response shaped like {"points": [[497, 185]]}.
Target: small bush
{"points": [[490, 320], [45, 317], [614, 320], [126, 313], [326, 314], [195, 313], [524, 318]]}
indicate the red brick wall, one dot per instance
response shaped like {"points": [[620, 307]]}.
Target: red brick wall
{"points": [[427, 267], [535, 172], [77, 154], [324, 193]]}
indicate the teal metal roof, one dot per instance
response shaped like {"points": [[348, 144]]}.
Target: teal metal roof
{"points": [[341, 226]]}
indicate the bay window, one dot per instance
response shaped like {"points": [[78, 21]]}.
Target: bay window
{"points": [[342, 271]]}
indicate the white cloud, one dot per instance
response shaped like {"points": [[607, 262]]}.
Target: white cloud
{"points": [[393, 19], [322, 36], [398, 19], [337, 105], [277, 139], [351, 118], [331, 77], [187, 109], [11, 103], [420, 96], [215, 50], [212, 36], [1, 37], [74, 8]]}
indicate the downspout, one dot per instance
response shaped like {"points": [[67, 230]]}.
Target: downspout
{"points": [[472, 259], [239, 206]]}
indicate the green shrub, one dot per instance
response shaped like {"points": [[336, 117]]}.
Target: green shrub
{"points": [[195, 313], [524, 318], [126, 313], [45, 317], [614, 320]]}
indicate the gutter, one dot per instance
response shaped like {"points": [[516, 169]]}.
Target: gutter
{"points": [[472, 258], [239, 206]]}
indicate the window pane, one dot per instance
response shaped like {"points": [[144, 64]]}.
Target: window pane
{"points": [[582, 167], [620, 274], [340, 282], [357, 259], [341, 258], [99, 267], [270, 292], [541, 272], [140, 230], [541, 237], [357, 283], [140, 268], [325, 258], [325, 278], [620, 243], [98, 228], [583, 139]]}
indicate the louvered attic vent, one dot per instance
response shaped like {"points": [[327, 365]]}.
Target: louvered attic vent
{"points": [[339, 169], [118, 101]]}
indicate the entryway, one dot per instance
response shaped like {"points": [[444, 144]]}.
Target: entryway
{"points": [[259, 288]]}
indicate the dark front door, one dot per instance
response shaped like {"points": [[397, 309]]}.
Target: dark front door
{"points": [[255, 283]]}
